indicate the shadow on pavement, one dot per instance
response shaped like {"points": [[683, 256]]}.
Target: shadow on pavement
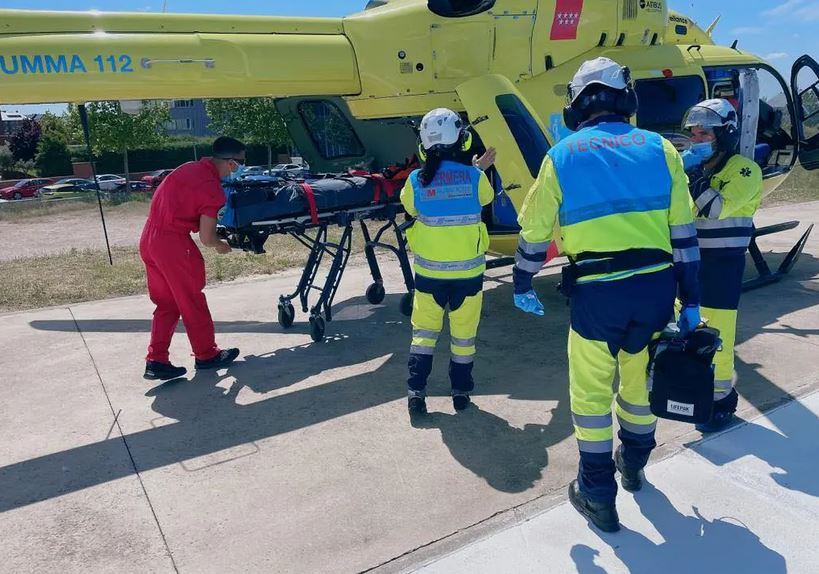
{"points": [[361, 365], [690, 544], [508, 458], [790, 448]]}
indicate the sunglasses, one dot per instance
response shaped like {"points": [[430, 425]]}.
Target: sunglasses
{"points": [[238, 160]]}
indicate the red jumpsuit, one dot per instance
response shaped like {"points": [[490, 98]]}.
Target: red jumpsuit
{"points": [[173, 262]]}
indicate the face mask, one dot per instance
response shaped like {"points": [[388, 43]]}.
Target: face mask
{"points": [[704, 151], [690, 160], [235, 174]]}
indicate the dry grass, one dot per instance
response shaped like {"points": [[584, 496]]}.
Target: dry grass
{"points": [[85, 275], [800, 186], [78, 276], [24, 211]]}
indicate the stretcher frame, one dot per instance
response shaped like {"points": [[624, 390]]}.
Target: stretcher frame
{"points": [[312, 232]]}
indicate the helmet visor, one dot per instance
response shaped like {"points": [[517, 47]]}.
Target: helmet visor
{"points": [[701, 117]]}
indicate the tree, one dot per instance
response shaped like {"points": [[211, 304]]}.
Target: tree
{"points": [[252, 120], [115, 131], [53, 157], [6, 160], [23, 143], [62, 127]]}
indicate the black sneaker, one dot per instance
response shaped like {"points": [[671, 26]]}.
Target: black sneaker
{"points": [[632, 480], [602, 515], [223, 359], [155, 371], [460, 402], [417, 406]]}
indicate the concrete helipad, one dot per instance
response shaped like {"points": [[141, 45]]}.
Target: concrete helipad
{"points": [[300, 457]]}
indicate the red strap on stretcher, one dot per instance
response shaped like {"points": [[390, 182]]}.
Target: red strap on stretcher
{"points": [[552, 252], [311, 202]]}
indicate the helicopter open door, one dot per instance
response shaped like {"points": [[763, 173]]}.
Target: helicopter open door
{"points": [[806, 103], [504, 120], [806, 136]]}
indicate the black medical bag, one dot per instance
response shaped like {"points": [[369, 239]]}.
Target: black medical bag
{"points": [[681, 375]]}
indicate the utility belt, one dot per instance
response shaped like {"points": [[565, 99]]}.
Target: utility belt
{"points": [[600, 263]]}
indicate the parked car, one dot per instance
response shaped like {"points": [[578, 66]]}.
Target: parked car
{"points": [[157, 177], [68, 187], [24, 188], [287, 170], [136, 187], [110, 182], [254, 170]]}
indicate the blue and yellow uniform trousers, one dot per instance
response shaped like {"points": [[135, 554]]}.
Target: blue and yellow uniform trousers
{"points": [[462, 298], [612, 324]]}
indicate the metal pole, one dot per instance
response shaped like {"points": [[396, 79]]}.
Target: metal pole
{"points": [[87, 134]]}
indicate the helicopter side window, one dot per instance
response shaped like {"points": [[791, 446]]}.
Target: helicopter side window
{"points": [[528, 135], [459, 8], [663, 103], [330, 130]]}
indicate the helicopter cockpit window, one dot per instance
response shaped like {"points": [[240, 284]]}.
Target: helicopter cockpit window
{"points": [[459, 8], [663, 103], [330, 131]]}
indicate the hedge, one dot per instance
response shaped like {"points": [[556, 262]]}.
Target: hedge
{"points": [[170, 156]]}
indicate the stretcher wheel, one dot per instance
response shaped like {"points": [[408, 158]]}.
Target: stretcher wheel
{"points": [[286, 315], [376, 293], [317, 328], [406, 303]]}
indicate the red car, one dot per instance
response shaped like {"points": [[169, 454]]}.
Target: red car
{"points": [[24, 188], [156, 177]]}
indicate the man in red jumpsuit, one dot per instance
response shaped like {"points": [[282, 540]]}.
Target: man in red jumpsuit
{"points": [[188, 201]]}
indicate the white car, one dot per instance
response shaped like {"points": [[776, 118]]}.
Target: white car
{"points": [[288, 169], [110, 182], [254, 170]]}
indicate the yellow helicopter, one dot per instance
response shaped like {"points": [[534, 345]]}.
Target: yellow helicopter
{"points": [[350, 88]]}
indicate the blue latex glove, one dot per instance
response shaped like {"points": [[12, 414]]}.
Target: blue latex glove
{"points": [[689, 319], [529, 303]]}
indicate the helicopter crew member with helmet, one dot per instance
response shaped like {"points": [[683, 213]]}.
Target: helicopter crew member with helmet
{"points": [[449, 242], [620, 197], [726, 188]]}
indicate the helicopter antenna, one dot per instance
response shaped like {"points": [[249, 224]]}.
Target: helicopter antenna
{"points": [[713, 25], [734, 45]]}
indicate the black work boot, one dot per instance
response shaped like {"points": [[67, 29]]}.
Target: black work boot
{"points": [[461, 401], [722, 416], [417, 406], [631, 479], [222, 359], [156, 371], [602, 515]]}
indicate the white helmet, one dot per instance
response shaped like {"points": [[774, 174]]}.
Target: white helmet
{"points": [[603, 71], [440, 127], [711, 114]]}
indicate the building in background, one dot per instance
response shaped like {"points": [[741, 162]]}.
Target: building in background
{"points": [[10, 122], [189, 118]]}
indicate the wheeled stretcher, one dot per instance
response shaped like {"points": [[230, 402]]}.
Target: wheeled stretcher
{"points": [[259, 207]]}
